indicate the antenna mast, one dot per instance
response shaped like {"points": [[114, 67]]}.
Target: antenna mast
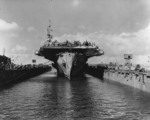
{"points": [[49, 30]]}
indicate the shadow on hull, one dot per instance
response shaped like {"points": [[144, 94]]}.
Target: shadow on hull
{"points": [[96, 71]]}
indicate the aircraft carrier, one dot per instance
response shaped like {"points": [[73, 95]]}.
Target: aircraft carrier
{"points": [[69, 58]]}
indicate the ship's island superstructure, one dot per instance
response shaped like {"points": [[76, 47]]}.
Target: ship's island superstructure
{"points": [[68, 58]]}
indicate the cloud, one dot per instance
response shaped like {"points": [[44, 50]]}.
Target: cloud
{"points": [[76, 2], [26, 58], [31, 29], [6, 40], [19, 49], [7, 34], [82, 27], [6, 26], [116, 45]]}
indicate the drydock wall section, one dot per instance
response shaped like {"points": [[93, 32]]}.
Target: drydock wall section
{"points": [[135, 79]]}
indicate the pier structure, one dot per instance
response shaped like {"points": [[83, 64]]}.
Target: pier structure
{"points": [[12, 73], [128, 58], [134, 78]]}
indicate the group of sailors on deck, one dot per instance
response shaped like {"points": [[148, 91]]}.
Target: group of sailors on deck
{"points": [[69, 44]]}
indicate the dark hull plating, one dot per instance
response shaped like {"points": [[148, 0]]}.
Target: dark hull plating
{"points": [[77, 69], [79, 66], [12, 76]]}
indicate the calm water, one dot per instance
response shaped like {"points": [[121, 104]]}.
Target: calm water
{"points": [[46, 97]]}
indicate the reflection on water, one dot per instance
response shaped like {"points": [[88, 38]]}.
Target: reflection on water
{"points": [[48, 97]]}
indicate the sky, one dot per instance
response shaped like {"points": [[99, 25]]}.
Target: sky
{"points": [[116, 26]]}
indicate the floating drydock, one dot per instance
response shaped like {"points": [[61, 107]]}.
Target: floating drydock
{"points": [[139, 80], [10, 73], [134, 78], [69, 58]]}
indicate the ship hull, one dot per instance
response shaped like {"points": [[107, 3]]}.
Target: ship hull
{"points": [[71, 65], [69, 62], [78, 67]]}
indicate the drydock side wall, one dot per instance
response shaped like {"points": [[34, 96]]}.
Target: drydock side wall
{"points": [[135, 79]]}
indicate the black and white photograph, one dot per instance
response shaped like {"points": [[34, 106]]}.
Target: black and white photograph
{"points": [[74, 59]]}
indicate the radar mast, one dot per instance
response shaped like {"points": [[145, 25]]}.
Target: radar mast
{"points": [[49, 30]]}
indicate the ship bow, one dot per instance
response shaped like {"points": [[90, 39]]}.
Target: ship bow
{"points": [[65, 62]]}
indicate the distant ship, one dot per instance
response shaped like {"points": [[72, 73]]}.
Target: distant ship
{"points": [[68, 58]]}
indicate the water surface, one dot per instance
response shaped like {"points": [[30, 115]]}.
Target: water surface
{"points": [[47, 97]]}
